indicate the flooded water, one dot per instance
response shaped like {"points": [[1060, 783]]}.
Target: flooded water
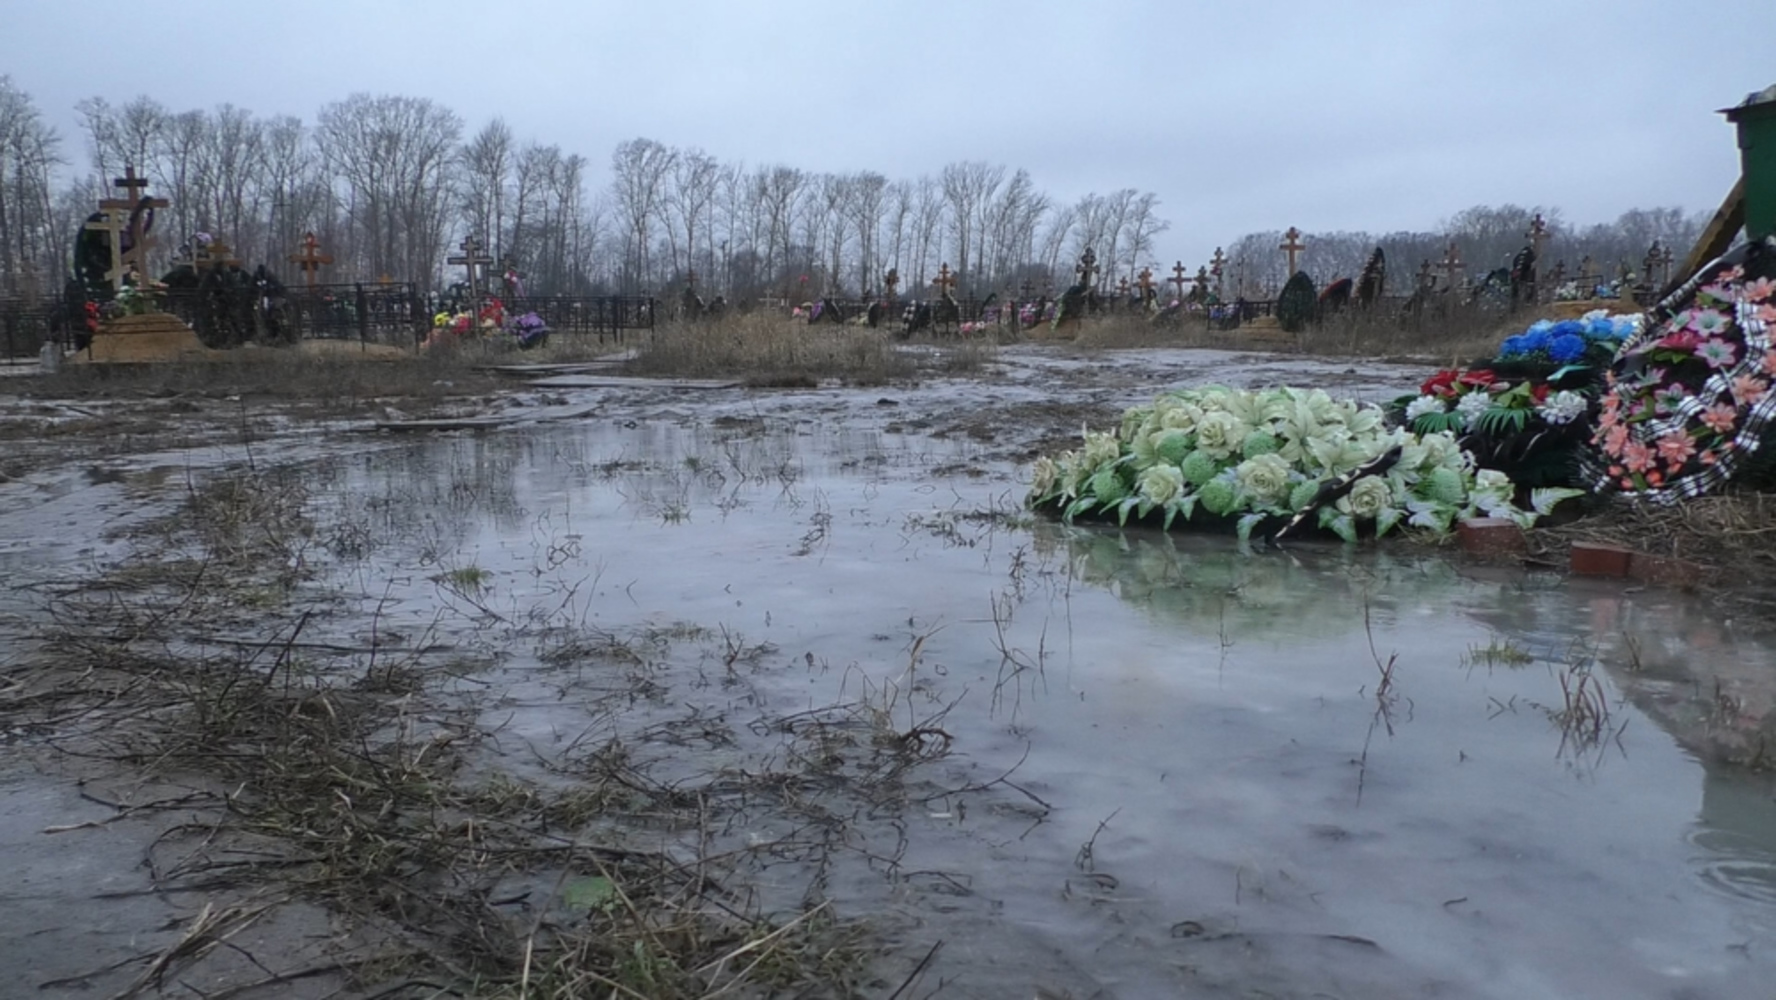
{"points": [[1205, 790], [1174, 768]]}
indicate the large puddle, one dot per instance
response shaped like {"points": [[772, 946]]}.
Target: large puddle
{"points": [[1355, 772], [1173, 768]]}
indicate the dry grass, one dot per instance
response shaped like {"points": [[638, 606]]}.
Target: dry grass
{"points": [[1456, 339], [770, 350], [350, 776]]}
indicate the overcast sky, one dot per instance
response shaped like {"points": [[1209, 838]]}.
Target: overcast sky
{"points": [[1241, 115]]}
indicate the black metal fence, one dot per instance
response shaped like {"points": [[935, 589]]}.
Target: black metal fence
{"points": [[25, 326], [593, 315]]}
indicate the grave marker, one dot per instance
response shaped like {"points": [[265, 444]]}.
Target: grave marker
{"points": [[944, 281], [1292, 246], [471, 258], [1451, 266], [1178, 278], [310, 260]]}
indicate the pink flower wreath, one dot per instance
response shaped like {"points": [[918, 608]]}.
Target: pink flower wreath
{"points": [[1687, 400]]}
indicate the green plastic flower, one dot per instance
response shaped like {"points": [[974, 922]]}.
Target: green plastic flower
{"points": [[1172, 447], [1044, 476], [1443, 485], [1199, 467], [1108, 487], [1303, 493], [1219, 496], [1260, 442]]}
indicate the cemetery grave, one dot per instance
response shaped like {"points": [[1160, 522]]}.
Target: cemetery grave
{"points": [[1037, 670]]}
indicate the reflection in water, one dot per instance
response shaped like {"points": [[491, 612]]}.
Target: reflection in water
{"points": [[1207, 583], [1318, 593], [1738, 834]]}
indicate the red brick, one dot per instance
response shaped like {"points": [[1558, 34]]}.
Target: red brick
{"points": [[1665, 571], [1491, 538], [1595, 559]]}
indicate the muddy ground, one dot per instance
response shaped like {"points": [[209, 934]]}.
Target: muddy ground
{"points": [[670, 690]]}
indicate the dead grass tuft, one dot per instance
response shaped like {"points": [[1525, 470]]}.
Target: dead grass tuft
{"points": [[774, 351]]}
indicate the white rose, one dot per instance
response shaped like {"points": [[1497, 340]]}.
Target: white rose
{"points": [[1101, 449], [1423, 405], [1220, 433], [1160, 484], [1368, 498], [1264, 478]]}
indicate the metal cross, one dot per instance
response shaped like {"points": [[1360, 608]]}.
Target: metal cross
{"points": [[1178, 278]]}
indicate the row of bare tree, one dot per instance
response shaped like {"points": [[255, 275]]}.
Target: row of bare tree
{"points": [[391, 186], [1484, 237]]}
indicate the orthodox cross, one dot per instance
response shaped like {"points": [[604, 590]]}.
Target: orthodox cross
{"points": [[471, 258], [1650, 265], [1122, 287], [1559, 272], [944, 281], [1202, 282], [1424, 274], [892, 281], [1588, 275], [1538, 234], [1665, 261], [1178, 278], [310, 259], [1087, 267], [214, 254], [121, 216], [1292, 246], [1451, 266]]}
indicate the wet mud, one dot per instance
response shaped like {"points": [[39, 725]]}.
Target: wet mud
{"points": [[1023, 756]]}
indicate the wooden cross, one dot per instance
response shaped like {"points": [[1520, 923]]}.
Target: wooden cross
{"points": [[214, 254], [944, 281], [1588, 275], [471, 258], [1202, 281], [1178, 278], [1292, 246], [1559, 272], [1424, 274], [892, 281], [114, 223], [1665, 261], [310, 259], [1538, 234], [1145, 280], [121, 216], [1122, 287], [1087, 268], [1451, 266]]}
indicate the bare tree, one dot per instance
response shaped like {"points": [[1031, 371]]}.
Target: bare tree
{"points": [[639, 168], [968, 189], [484, 180], [394, 155], [29, 149]]}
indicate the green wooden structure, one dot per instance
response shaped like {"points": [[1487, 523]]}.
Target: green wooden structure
{"points": [[1756, 120]]}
